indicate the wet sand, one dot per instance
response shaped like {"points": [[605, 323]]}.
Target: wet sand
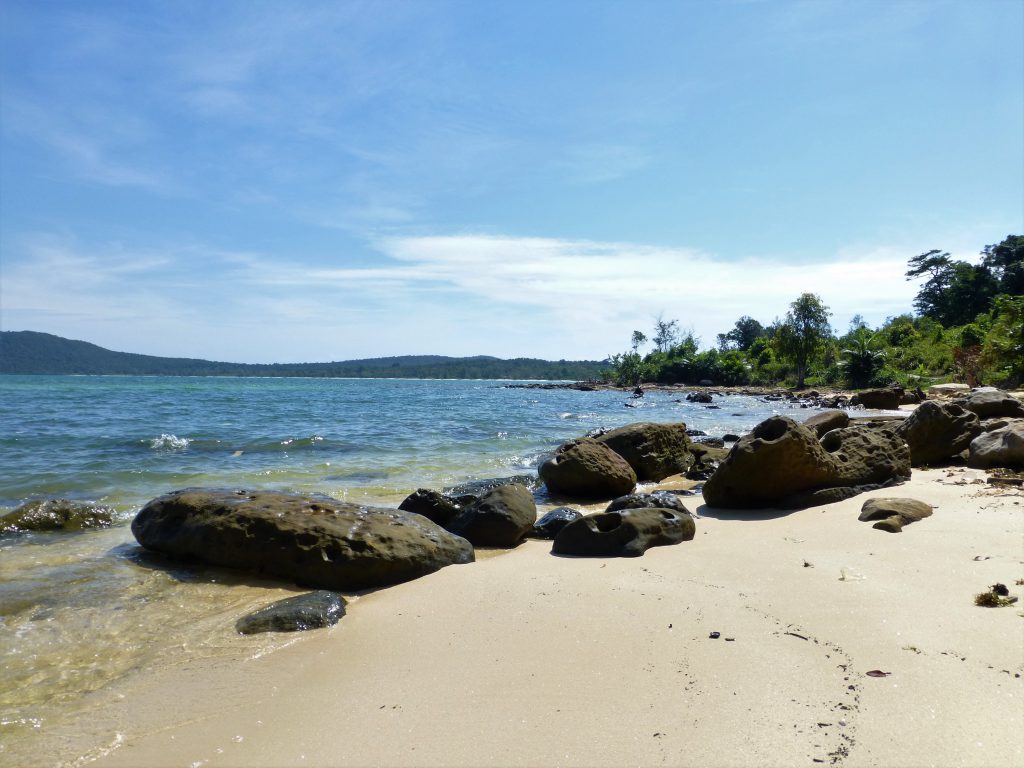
{"points": [[528, 659]]}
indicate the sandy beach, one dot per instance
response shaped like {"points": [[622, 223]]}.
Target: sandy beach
{"points": [[524, 658]]}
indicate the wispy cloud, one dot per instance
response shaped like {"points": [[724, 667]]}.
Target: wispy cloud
{"points": [[94, 143], [597, 163]]}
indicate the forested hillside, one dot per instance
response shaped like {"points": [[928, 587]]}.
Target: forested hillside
{"points": [[30, 352]]}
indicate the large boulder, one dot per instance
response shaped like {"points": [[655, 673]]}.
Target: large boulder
{"points": [[500, 518], [295, 614], [826, 421], [313, 540], [993, 404], [1002, 447], [937, 432], [587, 469], [886, 399], [56, 515], [781, 463], [433, 505], [625, 533], [866, 454], [654, 451]]}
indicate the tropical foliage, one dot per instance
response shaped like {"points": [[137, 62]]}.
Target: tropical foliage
{"points": [[968, 326]]}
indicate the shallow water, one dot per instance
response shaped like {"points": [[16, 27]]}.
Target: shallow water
{"points": [[79, 612]]}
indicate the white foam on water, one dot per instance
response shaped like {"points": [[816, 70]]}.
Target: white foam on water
{"points": [[169, 442]]}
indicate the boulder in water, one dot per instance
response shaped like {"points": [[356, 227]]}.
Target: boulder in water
{"points": [[56, 515], [312, 540], [295, 614]]}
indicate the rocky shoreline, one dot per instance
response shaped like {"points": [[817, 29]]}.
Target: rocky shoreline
{"points": [[326, 544]]}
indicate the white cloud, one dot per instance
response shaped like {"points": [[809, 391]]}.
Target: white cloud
{"points": [[446, 294]]}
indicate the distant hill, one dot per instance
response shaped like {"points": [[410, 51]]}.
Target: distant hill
{"points": [[30, 352]]}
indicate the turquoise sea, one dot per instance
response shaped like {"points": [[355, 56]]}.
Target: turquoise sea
{"points": [[83, 616]]}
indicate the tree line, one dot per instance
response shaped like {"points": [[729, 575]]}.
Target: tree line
{"points": [[968, 326], [31, 352]]}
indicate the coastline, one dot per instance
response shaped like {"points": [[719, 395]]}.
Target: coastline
{"points": [[529, 659]]}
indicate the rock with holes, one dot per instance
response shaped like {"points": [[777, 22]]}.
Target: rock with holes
{"points": [[587, 469], [937, 432], [499, 518], [316, 541], [295, 614], [782, 463], [654, 451], [625, 533], [892, 514], [548, 526]]}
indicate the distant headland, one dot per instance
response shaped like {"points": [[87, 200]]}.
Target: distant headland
{"points": [[32, 352]]}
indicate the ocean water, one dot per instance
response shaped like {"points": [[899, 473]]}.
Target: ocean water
{"points": [[81, 614]]}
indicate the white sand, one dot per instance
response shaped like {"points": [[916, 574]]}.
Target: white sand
{"points": [[528, 659]]}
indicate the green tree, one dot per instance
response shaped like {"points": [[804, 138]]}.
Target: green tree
{"points": [[803, 333], [861, 357], [666, 332], [743, 335], [955, 292], [1006, 263]]}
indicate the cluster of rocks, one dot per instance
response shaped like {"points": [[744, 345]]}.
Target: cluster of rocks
{"points": [[984, 429]]}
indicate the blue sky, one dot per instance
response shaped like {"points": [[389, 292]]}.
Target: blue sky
{"points": [[288, 181]]}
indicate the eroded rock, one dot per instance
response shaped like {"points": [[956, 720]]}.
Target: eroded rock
{"points": [[653, 500], [550, 523], [56, 515], [993, 404], [312, 540], [433, 505], [782, 463], [937, 432], [587, 469], [1002, 447], [892, 514], [654, 451], [625, 533], [827, 421], [500, 518]]}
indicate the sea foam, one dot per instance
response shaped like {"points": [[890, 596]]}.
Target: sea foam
{"points": [[169, 442]]}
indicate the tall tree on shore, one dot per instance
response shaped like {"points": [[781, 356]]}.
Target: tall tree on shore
{"points": [[744, 333], [955, 292], [666, 333], [801, 336]]}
